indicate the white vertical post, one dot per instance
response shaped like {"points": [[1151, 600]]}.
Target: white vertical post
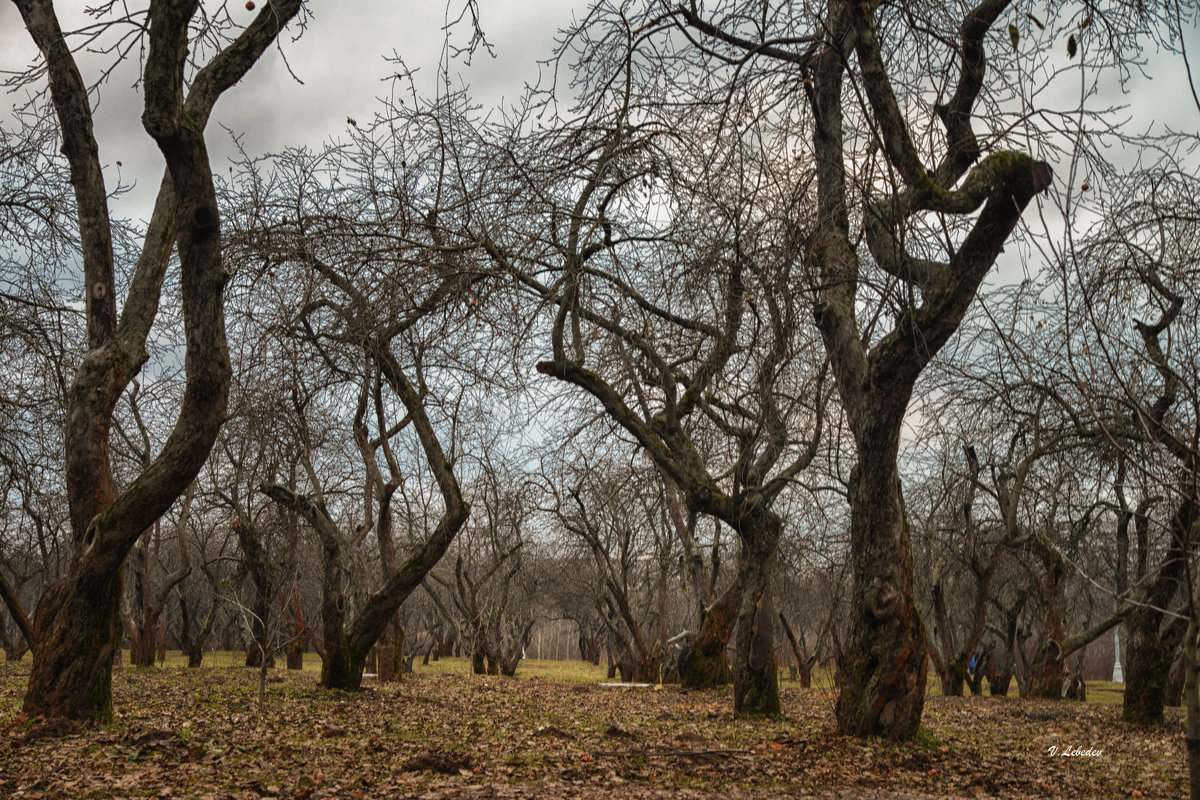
{"points": [[1118, 673]]}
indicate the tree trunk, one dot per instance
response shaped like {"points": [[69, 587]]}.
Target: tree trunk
{"points": [[1148, 663], [1149, 656], [300, 633], [346, 650], [804, 662], [1151, 650], [975, 681], [1176, 679], [386, 656], [295, 656], [72, 670], [755, 678], [339, 669], [258, 565], [143, 642], [143, 633], [954, 678], [191, 644], [9, 594], [79, 624], [1046, 669], [1191, 692], [704, 665], [14, 649], [884, 664]]}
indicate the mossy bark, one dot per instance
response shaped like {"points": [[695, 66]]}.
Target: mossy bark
{"points": [[72, 675], [954, 678], [706, 665]]}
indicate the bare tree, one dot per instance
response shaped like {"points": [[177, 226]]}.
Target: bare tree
{"points": [[682, 326], [616, 514], [378, 311], [78, 621], [911, 208], [1133, 280]]}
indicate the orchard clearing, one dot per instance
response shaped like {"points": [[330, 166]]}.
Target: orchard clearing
{"points": [[553, 731]]}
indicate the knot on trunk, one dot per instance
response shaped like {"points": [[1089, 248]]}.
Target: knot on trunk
{"points": [[204, 219], [882, 600]]}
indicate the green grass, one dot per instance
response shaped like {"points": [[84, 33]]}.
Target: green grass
{"points": [[577, 671], [1103, 692]]}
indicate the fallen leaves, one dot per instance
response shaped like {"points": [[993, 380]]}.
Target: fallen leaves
{"points": [[200, 735]]}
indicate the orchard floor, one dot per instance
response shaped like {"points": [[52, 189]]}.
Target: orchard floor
{"points": [[202, 734]]}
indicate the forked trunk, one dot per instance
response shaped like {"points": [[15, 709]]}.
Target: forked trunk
{"points": [[884, 663], [191, 645]]}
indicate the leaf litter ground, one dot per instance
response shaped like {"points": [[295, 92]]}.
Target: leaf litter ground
{"points": [[201, 734]]}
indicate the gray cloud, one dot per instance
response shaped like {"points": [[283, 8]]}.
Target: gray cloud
{"points": [[341, 61]]}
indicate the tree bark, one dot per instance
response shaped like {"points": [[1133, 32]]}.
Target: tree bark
{"points": [[804, 662], [13, 602], [1191, 692], [1151, 649], [884, 665], [147, 634], [755, 678], [192, 644], [78, 622], [258, 565], [1046, 667], [705, 665]]}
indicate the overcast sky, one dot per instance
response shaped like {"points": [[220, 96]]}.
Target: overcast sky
{"points": [[341, 61]]}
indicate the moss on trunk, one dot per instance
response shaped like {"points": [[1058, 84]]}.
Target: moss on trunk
{"points": [[79, 628]]}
